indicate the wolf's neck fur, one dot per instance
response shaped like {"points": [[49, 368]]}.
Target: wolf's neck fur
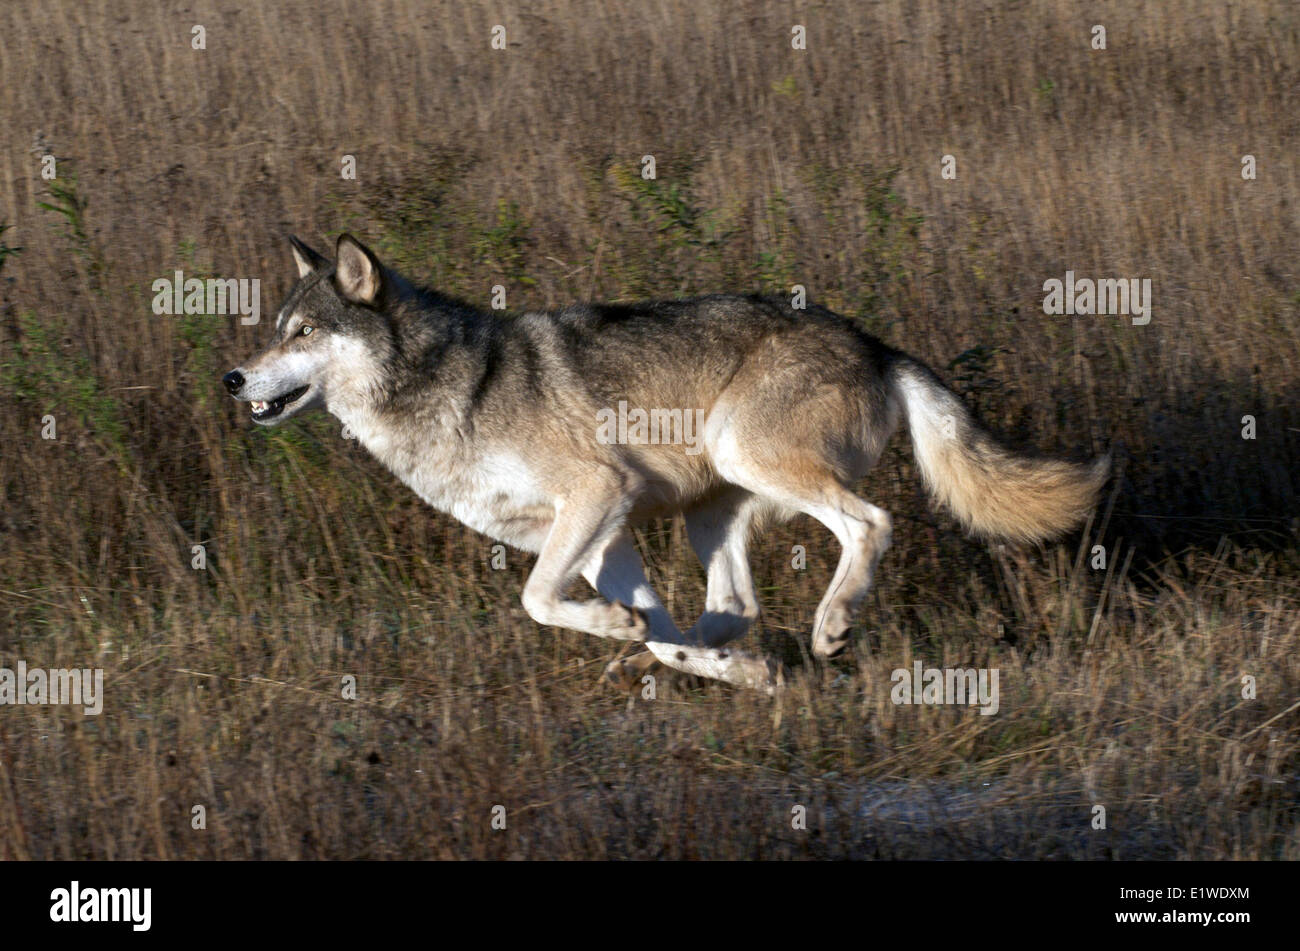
{"points": [[423, 425], [412, 405]]}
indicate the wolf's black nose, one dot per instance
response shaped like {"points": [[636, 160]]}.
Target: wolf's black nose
{"points": [[233, 380]]}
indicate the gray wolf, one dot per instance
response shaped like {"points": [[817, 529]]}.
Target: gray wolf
{"points": [[534, 430]]}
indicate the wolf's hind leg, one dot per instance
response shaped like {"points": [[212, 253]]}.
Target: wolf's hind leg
{"points": [[862, 529], [865, 532]]}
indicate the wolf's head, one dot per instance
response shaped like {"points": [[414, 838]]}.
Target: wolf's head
{"points": [[331, 338]]}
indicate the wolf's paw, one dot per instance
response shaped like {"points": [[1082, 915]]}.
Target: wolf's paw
{"points": [[628, 623], [625, 673], [829, 647], [833, 634]]}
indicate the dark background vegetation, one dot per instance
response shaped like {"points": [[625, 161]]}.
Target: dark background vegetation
{"points": [[1120, 687]]}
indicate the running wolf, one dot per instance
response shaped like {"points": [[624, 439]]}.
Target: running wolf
{"points": [[547, 431]]}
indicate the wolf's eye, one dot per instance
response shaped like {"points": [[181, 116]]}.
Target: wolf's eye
{"points": [[304, 332]]}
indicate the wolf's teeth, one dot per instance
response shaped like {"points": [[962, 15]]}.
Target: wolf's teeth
{"points": [[258, 405]]}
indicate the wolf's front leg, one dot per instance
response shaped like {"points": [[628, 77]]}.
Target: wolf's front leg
{"points": [[586, 523], [617, 572]]}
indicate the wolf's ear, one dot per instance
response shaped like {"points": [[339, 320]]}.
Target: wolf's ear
{"points": [[306, 259], [357, 273]]}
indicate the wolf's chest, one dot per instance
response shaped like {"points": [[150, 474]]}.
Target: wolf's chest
{"points": [[493, 493]]}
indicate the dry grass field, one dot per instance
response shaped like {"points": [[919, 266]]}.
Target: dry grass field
{"points": [[1121, 687]]}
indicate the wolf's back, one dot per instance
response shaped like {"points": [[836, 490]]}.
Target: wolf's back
{"points": [[995, 492]]}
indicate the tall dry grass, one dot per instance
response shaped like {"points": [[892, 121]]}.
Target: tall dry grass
{"points": [[1121, 687]]}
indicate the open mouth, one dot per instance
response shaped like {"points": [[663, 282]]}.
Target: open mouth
{"points": [[270, 409]]}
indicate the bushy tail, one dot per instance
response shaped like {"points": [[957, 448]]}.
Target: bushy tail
{"points": [[993, 491]]}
